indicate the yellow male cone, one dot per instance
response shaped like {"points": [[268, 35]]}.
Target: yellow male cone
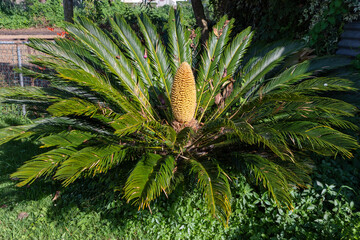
{"points": [[183, 94]]}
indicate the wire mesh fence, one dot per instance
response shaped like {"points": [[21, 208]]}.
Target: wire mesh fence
{"points": [[14, 55]]}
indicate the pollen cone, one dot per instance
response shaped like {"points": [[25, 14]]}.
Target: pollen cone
{"points": [[183, 94]]}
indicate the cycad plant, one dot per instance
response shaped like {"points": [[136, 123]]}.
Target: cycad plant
{"points": [[171, 109]]}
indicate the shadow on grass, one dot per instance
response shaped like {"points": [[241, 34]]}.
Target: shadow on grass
{"points": [[95, 196], [12, 156]]}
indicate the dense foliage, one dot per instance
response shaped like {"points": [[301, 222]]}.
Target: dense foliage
{"points": [[109, 111], [32, 13], [321, 22], [101, 11]]}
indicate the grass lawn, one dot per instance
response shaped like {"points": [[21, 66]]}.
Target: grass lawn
{"points": [[88, 210]]}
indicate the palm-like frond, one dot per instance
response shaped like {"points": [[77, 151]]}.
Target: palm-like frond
{"points": [[215, 187], [179, 45], [209, 60], [90, 161], [151, 176]]}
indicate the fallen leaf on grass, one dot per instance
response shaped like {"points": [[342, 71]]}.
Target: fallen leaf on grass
{"points": [[57, 195], [22, 215]]}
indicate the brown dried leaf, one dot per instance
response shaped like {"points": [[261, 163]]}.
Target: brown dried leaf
{"points": [[22, 215], [211, 85], [57, 195], [193, 34], [216, 32], [193, 124], [226, 23], [218, 98], [228, 90], [177, 126], [225, 73]]}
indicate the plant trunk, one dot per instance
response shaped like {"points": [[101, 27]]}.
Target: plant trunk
{"points": [[201, 20], [68, 10]]}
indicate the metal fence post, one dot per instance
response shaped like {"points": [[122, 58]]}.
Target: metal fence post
{"points": [[20, 75]]}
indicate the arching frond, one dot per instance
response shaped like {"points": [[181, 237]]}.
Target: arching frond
{"points": [[157, 55], [42, 165], [90, 161], [315, 137], [179, 42], [126, 124], [229, 62], [72, 138], [101, 45], [214, 185], [209, 60], [272, 176], [151, 176]]}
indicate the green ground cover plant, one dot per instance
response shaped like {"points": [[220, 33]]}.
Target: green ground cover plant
{"points": [[89, 209], [109, 113]]}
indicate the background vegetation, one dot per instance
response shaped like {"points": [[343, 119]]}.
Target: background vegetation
{"points": [[319, 22], [32, 13]]}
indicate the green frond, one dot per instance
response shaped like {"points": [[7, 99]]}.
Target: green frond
{"points": [[240, 132], [89, 161], [318, 138], [252, 76], [26, 94], [210, 58], [165, 133], [151, 176], [47, 126], [106, 50], [60, 52], [157, 55], [215, 187], [133, 48], [15, 133], [71, 138], [323, 84], [184, 136], [229, 62], [42, 165], [272, 176], [234, 52], [126, 124], [284, 80], [99, 85], [73, 106], [179, 45]]}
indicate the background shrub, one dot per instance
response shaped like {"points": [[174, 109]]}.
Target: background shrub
{"points": [[30, 13], [320, 22]]}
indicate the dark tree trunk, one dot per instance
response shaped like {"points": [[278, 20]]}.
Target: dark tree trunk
{"points": [[69, 10], [201, 20]]}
